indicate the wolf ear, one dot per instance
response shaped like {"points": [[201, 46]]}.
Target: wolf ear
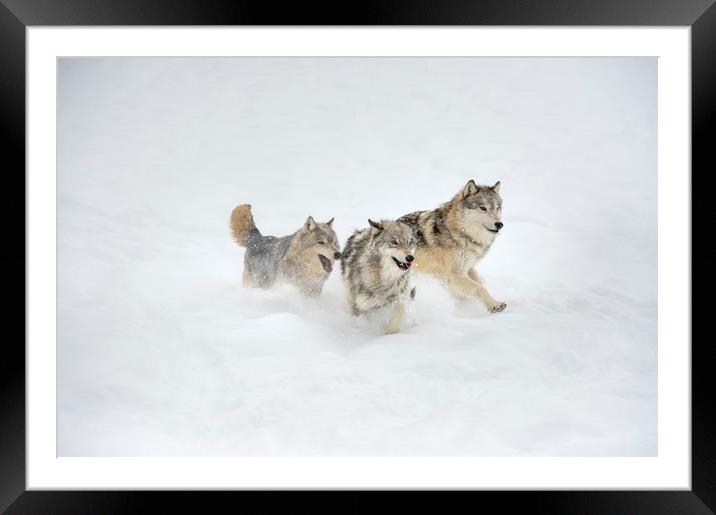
{"points": [[329, 223], [310, 224], [375, 224], [496, 187], [469, 189]]}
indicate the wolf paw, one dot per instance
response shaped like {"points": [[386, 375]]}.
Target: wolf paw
{"points": [[392, 329], [496, 307]]}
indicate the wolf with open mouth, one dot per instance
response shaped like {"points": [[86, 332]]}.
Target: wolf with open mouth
{"points": [[376, 270], [304, 258]]}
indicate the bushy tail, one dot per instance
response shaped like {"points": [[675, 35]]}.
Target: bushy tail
{"points": [[242, 224]]}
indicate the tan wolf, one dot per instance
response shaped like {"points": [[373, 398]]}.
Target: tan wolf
{"points": [[455, 236], [304, 259]]}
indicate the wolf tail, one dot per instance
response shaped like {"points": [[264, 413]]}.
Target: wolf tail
{"points": [[242, 224]]}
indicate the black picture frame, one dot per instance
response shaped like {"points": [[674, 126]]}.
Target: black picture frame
{"points": [[16, 15]]}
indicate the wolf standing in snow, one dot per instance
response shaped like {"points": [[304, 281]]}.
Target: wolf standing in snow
{"points": [[304, 258], [375, 267], [455, 236]]}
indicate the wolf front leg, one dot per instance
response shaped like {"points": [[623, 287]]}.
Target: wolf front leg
{"points": [[470, 286], [396, 319], [492, 305], [310, 289]]}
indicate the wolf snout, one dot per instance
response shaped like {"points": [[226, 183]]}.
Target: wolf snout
{"points": [[409, 258], [499, 225], [336, 255]]}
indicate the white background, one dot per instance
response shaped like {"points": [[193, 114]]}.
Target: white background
{"points": [[161, 352]]}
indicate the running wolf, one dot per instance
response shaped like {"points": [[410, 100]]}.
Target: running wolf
{"points": [[376, 265], [455, 236], [304, 258]]}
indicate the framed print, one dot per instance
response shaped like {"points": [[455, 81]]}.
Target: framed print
{"points": [[252, 243]]}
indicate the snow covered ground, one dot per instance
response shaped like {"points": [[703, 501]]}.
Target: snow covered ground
{"points": [[162, 352]]}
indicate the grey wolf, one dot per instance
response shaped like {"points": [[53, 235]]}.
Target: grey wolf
{"points": [[376, 270], [455, 236], [304, 259]]}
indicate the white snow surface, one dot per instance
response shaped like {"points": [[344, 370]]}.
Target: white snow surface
{"points": [[162, 352]]}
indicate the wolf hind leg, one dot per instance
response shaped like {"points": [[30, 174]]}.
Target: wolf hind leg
{"points": [[396, 319], [247, 278]]}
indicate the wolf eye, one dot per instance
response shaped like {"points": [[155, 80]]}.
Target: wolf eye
{"points": [[393, 242], [483, 208], [321, 242]]}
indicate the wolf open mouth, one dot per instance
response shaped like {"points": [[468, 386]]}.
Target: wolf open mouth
{"points": [[325, 263], [401, 265]]}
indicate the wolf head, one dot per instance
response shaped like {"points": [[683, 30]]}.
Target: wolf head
{"points": [[480, 207], [319, 239], [395, 242]]}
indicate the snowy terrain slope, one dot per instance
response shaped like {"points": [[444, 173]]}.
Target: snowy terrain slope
{"points": [[161, 351]]}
